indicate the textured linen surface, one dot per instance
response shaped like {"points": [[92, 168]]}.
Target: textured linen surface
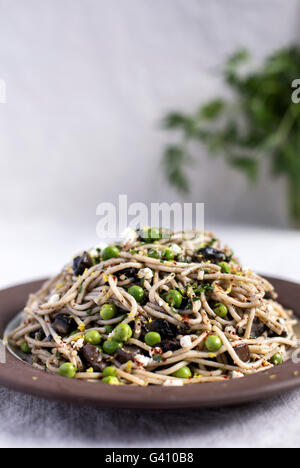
{"points": [[27, 421]]}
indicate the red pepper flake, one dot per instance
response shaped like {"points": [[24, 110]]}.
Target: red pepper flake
{"points": [[156, 351], [186, 318]]}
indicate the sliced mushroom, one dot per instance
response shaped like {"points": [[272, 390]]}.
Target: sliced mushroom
{"points": [[38, 335], [210, 254], [124, 356], [80, 264], [163, 327], [129, 273], [127, 353], [243, 353], [271, 295], [64, 325], [169, 345], [93, 358], [258, 328], [273, 334]]}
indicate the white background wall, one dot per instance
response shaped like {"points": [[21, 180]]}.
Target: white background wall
{"points": [[87, 83]]}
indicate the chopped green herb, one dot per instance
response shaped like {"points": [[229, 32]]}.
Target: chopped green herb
{"points": [[158, 358], [211, 243]]}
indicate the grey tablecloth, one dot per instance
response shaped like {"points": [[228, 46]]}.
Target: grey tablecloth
{"points": [[26, 421]]}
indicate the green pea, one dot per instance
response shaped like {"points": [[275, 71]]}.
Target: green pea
{"points": [[108, 329], [183, 373], [137, 292], [92, 337], [152, 339], [168, 255], [152, 235], [111, 380], [110, 252], [122, 332], [174, 298], [67, 370], [221, 310], [108, 311], [225, 267], [111, 346], [25, 348], [213, 343], [110, 371], [277, 359], [153, 253]]}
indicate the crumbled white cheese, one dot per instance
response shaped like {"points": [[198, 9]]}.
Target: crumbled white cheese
{"points": [[237, 375], [160, 303], [101, 246], [155, 351], [128, 236], [53, 299], [78, 344], [188, 245], [176, 249], [143, 360], [200, 276], [173, 383], [146, 273], [94, 253], [186, 341]]}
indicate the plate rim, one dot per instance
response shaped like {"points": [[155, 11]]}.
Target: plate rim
{"points": [[19, 376]]}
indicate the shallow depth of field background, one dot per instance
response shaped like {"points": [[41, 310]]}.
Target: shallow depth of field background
{"points": [[87, 84]]}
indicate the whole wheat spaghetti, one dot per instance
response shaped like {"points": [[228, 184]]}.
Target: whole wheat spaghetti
{"points": [[156, 310]]}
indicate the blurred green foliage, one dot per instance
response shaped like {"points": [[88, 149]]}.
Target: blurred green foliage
{"points": [[258, 121]]}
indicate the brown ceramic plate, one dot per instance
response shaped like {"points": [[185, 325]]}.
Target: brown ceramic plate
{"points": [[19, 376]]}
